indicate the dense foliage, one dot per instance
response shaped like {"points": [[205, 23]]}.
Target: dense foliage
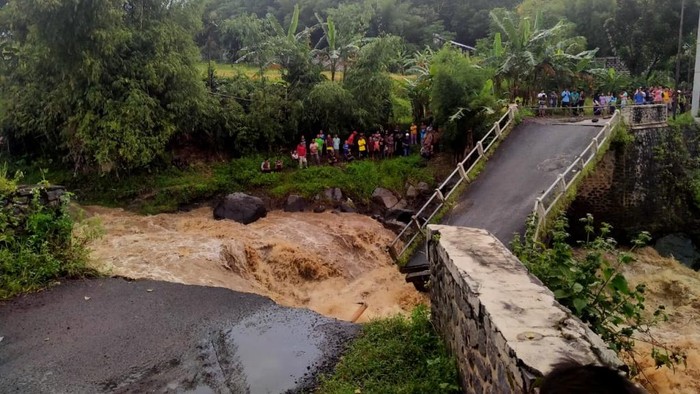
{"points": [[107, 83], [37, 244], [116, 86], [396, 355]]}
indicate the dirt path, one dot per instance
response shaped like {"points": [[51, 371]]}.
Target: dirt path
{"points": [[677, 287], [325, 262]]}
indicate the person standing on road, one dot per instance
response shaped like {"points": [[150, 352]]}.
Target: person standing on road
{"points": [[565, 98], [541, 102]]}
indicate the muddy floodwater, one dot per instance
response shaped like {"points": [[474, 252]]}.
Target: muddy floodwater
{"points": [[327, 262], [677, 287]]}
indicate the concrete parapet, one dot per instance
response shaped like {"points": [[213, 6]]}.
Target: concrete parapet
{"points": [[504, 327]]}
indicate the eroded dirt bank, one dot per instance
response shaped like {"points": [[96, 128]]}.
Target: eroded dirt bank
{"points": [[677, 287], [325, 262]]}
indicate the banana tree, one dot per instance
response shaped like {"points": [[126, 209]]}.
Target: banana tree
{"points": [[525, 53], [418, 84], [267, 41], [334, 47]]}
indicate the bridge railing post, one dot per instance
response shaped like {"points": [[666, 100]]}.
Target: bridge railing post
{"points": [[497, 127], [562, 184], [596, 145], [463, 172], [480, 148], [439, 195]]}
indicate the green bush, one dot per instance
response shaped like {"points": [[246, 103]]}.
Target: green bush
{"points": [[395, 355], [37, 244]]}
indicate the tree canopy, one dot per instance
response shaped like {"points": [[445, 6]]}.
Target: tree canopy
{"points": [[113, 86]]}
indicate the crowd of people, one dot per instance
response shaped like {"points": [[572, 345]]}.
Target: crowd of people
{"points": [[606, 103], [330, 148]]}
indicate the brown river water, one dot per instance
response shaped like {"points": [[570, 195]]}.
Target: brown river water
{"points": [[677, 287], [327, 262]]}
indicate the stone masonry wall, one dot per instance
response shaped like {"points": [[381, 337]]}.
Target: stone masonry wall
{"points": [[504, 327], [643, 186]]}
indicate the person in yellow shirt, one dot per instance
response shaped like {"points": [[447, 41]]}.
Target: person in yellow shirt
{"points": [[362, 146], [667, 97], [414, 133]]}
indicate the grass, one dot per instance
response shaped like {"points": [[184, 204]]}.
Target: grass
{"points": [[168, 190], [229, 70], [395, 355]]}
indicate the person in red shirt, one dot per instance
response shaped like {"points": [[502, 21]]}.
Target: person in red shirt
{"points": [[301, 154], [351, 142]]}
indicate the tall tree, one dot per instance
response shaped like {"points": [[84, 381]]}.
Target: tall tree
{"points": [[108, 82], [641, 32]]}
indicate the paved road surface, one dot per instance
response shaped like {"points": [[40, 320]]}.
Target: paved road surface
{"points": [[146, 336], [523, 167]]}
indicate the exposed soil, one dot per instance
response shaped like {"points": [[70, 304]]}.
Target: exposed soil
{"points": [[326, 262], [677, 287]]}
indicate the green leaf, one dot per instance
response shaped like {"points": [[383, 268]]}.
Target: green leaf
{"points": [[620, 284], [578, 288], [580, 304]]}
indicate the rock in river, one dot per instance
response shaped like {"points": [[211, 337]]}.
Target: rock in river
{"points": [[384, 198], [241, 208]]}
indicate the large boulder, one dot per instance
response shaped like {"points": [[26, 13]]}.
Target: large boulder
{"points": [[384, 198], [241, 208], [295, 203], [333, 194]]}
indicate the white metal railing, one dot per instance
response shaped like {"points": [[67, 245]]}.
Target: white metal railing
{"points": [[548, 200], [440, 196]]}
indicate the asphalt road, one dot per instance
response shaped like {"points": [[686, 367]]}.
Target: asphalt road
{"points": [[113, 335], [526, 163]]}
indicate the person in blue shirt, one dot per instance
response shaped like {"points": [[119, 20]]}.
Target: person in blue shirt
{"points": [[565, 98], [639, 97]]}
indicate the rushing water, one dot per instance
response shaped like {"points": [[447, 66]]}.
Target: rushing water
{"points": [[677, 287], [326, 262]]}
